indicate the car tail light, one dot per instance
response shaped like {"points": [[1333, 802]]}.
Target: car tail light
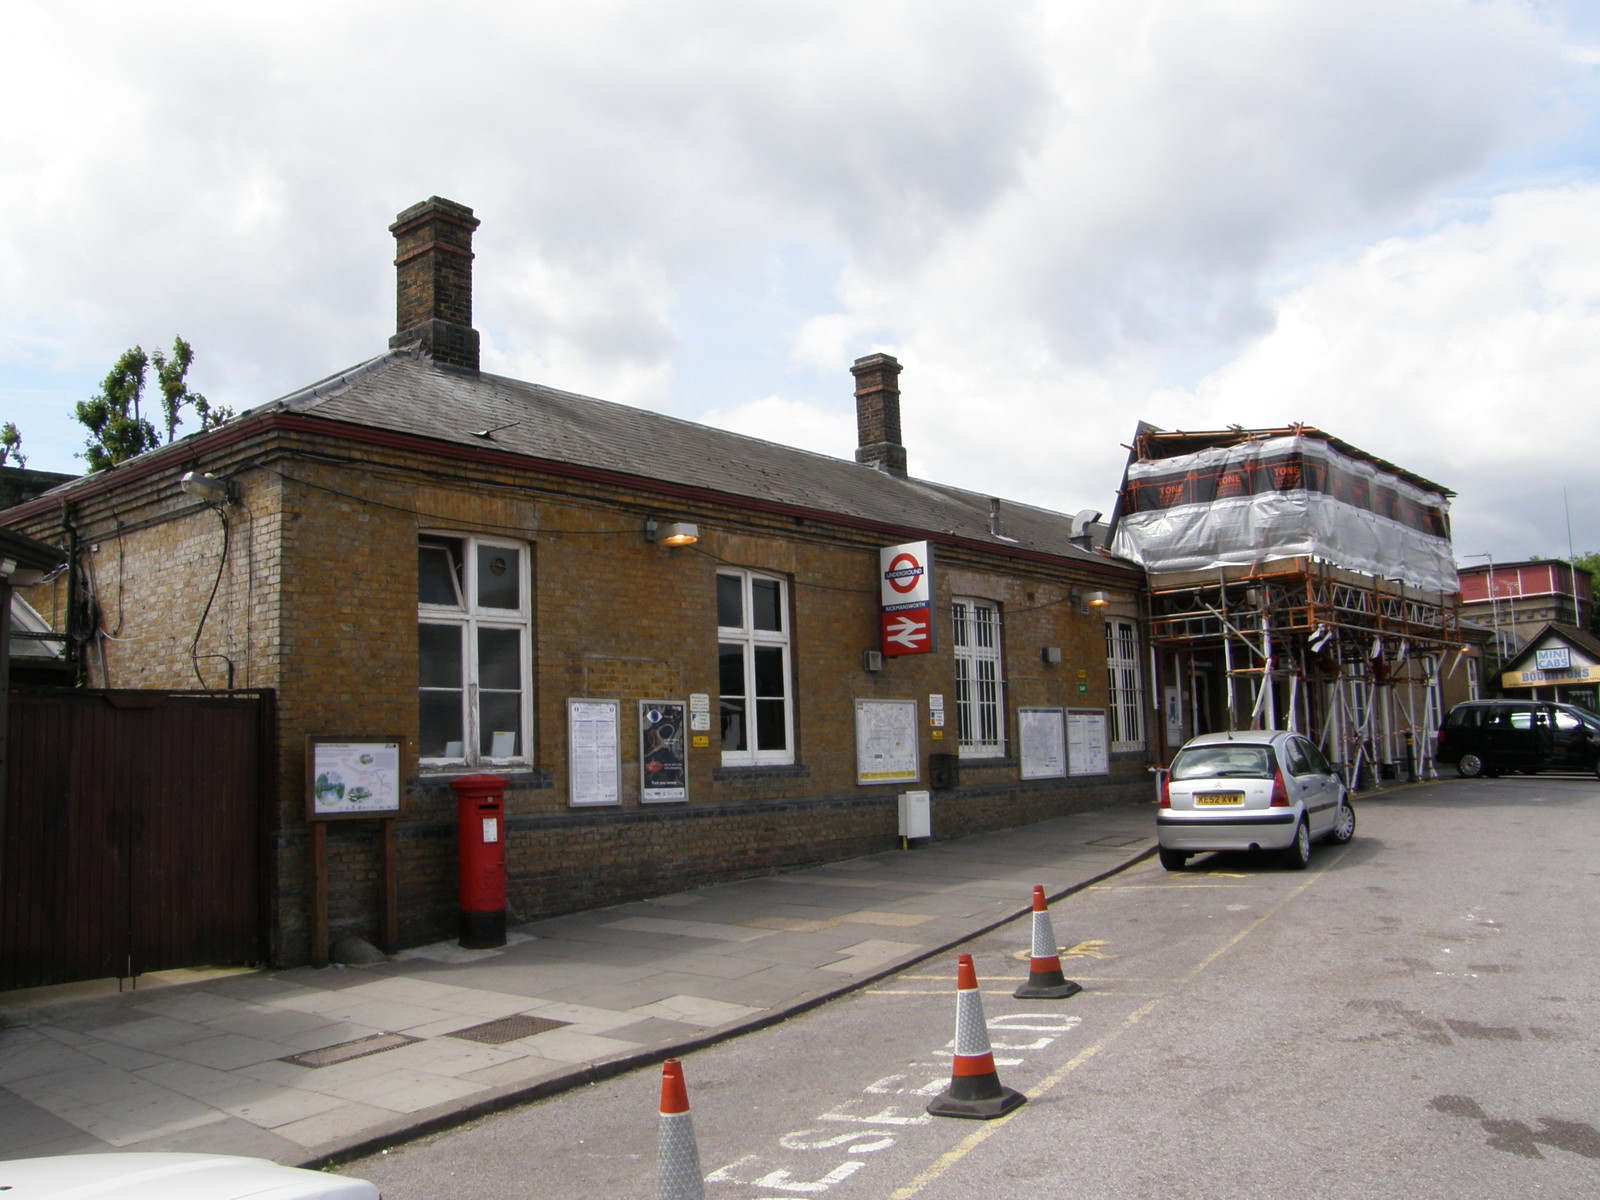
{"points": [[1164, 788], [1280, 794]]}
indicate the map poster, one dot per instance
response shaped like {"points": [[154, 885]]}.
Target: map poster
{"points": [[594, 752], [352, 779], [1043, 739], [662, 771], [886, 742], [1088, 752]]}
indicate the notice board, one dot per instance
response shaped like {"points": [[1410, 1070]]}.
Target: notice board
{"points": [[1042, 740], [594, 752], [1088, 751]]}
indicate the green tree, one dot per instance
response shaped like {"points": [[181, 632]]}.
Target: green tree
{"points": [[118, 428], [11, 445], [1589, 563]]}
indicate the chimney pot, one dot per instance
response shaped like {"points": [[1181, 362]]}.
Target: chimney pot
{"points": [[433, 278], [878, 413]]}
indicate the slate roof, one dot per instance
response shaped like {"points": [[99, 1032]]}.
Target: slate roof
{"points": [[1580, 639], [403, 392]]}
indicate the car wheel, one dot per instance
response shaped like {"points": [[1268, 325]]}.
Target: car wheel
{"points": [[1299, 852], [1469, 766], [1344, 824], [1172, 860]]}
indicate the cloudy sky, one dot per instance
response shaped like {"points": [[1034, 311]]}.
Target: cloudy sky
{"points": [[1380, 217]]}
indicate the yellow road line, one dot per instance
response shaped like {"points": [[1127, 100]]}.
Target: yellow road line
{"points": [[1164, 887], [978, 1136]]}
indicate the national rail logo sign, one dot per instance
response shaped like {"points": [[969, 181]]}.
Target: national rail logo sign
{"points": [[905, 618]]}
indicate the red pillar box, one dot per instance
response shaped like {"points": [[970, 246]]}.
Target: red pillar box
{"points": [[481, 837]]}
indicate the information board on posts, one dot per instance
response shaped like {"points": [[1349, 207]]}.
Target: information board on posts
{"points": [[347, 779]]}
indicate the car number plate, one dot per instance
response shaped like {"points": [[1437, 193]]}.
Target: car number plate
{"points": [[1219, 799]]}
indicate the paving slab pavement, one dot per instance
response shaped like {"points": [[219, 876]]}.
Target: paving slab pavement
{"points": [[307, 1066]]}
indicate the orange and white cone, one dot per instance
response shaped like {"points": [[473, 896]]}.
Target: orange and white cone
{"points": [[975, 1089], [1045, 981], [677, 1159]]}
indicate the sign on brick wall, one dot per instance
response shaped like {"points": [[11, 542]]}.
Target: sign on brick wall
{"points": [[905, 617]]}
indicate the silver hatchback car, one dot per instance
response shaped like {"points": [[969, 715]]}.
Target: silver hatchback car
{"points": [[1251, 790]]}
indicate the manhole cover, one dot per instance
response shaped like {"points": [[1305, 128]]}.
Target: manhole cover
{"points": [[1117, 841], [377, 1043], [507, 1029]]}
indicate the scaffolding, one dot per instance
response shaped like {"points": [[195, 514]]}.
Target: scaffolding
{"points": [[1350, 660], [1317, 578]]}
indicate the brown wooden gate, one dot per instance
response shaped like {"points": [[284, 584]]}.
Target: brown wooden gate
{"points": [[133, 833]]}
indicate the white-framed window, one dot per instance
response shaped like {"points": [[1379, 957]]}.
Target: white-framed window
{"points": [[474, 651], [1123, 685], [980, 707], [757, 713]]}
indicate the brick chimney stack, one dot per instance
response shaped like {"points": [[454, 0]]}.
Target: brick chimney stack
{"points": [[433, 266], [878, 413]]}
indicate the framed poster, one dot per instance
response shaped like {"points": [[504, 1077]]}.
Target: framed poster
{"points": [[594, 752], [663, 772], [1088, 752], [886, 742], [1042, 739], [346, 779]]}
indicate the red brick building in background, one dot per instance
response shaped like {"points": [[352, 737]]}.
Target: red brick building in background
{"points": [[1517, 599], [414, 547]]}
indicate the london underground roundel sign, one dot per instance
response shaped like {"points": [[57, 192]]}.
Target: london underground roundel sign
{"points": [[905, 575]]}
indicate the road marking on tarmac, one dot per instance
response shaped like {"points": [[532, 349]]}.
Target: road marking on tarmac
{"points": [[978, 1136]]}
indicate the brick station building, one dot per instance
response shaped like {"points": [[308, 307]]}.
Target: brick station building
{"points": [[414, 547]]}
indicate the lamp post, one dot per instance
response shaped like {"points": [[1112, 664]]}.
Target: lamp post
{"points": [[1494, 608]]}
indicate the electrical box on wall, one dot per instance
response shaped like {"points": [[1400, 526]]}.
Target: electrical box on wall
{"points": [[916, 817], [872, 660]]}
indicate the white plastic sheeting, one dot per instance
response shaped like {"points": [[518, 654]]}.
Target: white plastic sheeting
{"points": [[1283, 497]]}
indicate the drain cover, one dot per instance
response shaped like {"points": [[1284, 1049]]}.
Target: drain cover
{"points": [[377, 1043], [507, 1029]]}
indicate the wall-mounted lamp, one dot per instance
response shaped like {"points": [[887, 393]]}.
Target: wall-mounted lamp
{"points": [[209, 488], [1095, 600], [674, 533]]}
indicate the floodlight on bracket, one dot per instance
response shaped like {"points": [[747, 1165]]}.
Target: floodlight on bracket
{"points": [[209, 488], [673, 533]]}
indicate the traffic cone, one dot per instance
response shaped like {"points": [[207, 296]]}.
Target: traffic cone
{"points": [[677, 1160], [1045, 981], [975, 1090]]}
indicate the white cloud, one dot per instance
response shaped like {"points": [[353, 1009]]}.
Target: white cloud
{"points": [[1468, 355], [1062, 217], [791, 423]]}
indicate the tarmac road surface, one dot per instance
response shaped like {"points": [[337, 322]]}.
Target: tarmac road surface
{"points": [[1414, 1015]]}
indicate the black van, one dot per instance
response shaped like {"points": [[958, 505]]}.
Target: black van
{"points": [[1486, 737], [1577, 739]]}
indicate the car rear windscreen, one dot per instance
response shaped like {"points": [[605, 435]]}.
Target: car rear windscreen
{"points": [[1213, 762]]}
